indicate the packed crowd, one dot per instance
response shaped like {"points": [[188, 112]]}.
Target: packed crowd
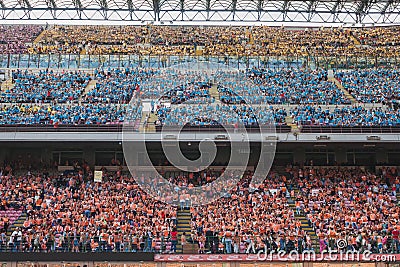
{"points": [[350, 204], [354, 205], [385, 36], [206, 115], [45, 86], [73, 213], [372, 85], [88, 114], [193, 92], [247, 220], [217, 41], [345, 116], [15, 39], [292, 86], [49, 97], [70, 212], [286, 86], [178, 85], [116, 85]]}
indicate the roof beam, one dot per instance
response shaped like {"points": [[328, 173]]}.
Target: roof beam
{"points": [[156, 7], [25, 3], [311, 9], [311, 6], [208, 8], [285, 9], [52, 7], [51, 4], [104, 8], [389, 2], [234, 4], [182, 7], [103, 4], [363, 9], [78, 7], [77, 4], [130, 8], [335, 7], [260, 4]]}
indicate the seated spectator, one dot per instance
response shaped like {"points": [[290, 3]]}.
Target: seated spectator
{"points": [[45, 87], [203, 115], [372, 85], [68, 114], [15, 39], [345, 116], [116, 86]]}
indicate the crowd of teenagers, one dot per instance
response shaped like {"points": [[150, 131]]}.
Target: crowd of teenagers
{"points": [[187, 40], [70, 212], [202, 97]]}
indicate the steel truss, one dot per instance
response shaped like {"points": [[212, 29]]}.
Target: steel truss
{"points": [[166, 11]]}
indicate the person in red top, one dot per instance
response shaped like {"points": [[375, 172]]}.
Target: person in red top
{"points": [[174, 240], [395, 236]]}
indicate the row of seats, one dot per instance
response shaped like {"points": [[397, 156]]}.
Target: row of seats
{"points": [[372, 85], [345, 116], [203, 115], [73, 213], [354, 205], [45, 87], [184, 40], [89, 114]]}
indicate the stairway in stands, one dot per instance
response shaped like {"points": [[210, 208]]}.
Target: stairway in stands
{"points": [[304, 222], [214, 93], [41, 35], [18, 223], [150, 127], [91, 85], [6, 85], [355, 39], [183, 226], [289, 122], [346, 93]]}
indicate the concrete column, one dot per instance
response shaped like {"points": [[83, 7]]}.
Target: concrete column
{"points": [[340, 155], [89, 155], [299, 155], [381, 155]]}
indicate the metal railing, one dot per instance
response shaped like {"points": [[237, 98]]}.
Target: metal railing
{"points": [[348, 129], [77, 61]]}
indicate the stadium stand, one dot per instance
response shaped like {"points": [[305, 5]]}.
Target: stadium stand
{"points": [[372, 85], [16, 39], [346, 116], [45, 87], [116, 86], [224, 115], [217, 41], [297, 208], [339, 203]]}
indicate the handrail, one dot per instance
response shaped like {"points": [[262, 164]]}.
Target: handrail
{"points": [[219, 128], [348, 129]]}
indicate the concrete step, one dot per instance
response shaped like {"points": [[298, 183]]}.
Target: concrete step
{"points": [[346, 93], [18, 223], [183, 226], [151, 118], [40, 36], [304, 224], [214, 92], [6, 85]]}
